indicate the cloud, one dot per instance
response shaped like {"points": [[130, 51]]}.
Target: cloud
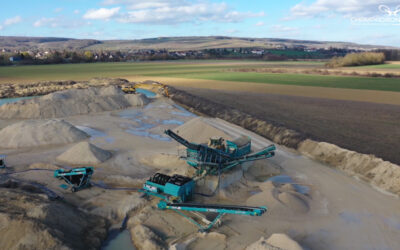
{"points": [[13, 20], [45, 22], [102, 13], [59, 22], [1, 27], [178, 11], [260, 24], [58, 10], [323, 8], [285, 30], [76, 12]]}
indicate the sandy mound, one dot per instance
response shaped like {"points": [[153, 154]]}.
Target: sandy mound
{"points": [[144, 238], [40, 165], [212, 240], [198, 131], [84, 153], [127, 164], [28, 220], [166, 163], [113, 205], [279, 199], [261, 170], [123, 181], [275, 242], [72, 102], [381, 173], [37, 133]]}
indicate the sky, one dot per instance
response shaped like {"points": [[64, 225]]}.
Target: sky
{"points": [[360, 21]]}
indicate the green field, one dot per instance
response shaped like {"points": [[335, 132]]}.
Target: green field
{"points": [[209, 70], [382, 66]]}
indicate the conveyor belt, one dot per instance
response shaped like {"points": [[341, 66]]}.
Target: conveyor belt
{"points": [[227, 209], [181, 140]]}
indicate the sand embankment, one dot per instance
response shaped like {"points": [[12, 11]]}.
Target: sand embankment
{"points": [[11, 90], [35, 133], [72, 102], [29, 220], [376, 171]]}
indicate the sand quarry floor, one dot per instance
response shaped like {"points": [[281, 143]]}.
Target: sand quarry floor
{"points": [[318, 206]]}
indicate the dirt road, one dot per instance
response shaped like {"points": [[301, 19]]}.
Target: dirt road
{"points": [[345, 213]]}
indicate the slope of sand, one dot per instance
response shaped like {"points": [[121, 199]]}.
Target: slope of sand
{"points": [[29, 220], [40, 132], [197, 131], [279, 198], [84, 153], [275, 242], [72, 102], [338, 212], [381, 173]]}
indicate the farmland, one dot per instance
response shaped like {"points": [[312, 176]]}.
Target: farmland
{"points": [[207, 70], [340, 109]]}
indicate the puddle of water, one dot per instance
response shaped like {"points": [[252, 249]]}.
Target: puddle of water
{"points": [[253, 192], [118, 240], [92, 132], [183, 112], [12, 100], [285, 179], [392, 223], [350, 217], [139, 132], [109, 140], [146, 92], [172, 121]]}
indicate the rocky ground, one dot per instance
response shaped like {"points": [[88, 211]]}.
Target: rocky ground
{"points": [[310, 206]]}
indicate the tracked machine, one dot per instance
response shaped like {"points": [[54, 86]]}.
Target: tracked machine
{"points": [[177, 191], [219, 156], [76, 178]]}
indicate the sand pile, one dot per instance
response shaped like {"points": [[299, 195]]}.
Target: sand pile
{"points": [[279, 199], [212, 240], [41, 165], [198, 131], [84, 153], [126, 163], [166, 163], [374, 170], [38, 133], [72, 102], [275, 242], [144, 238], [113, 205], [28, 220]]}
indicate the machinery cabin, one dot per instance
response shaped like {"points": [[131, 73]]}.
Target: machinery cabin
{"points": [[2, 161], [128, 89], [175, 188]]}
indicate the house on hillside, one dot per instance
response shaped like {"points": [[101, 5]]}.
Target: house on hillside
{"points": [[257, 52], [14, 59]]}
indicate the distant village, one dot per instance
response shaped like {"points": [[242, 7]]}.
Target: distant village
{"points": [[15, 57]]}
